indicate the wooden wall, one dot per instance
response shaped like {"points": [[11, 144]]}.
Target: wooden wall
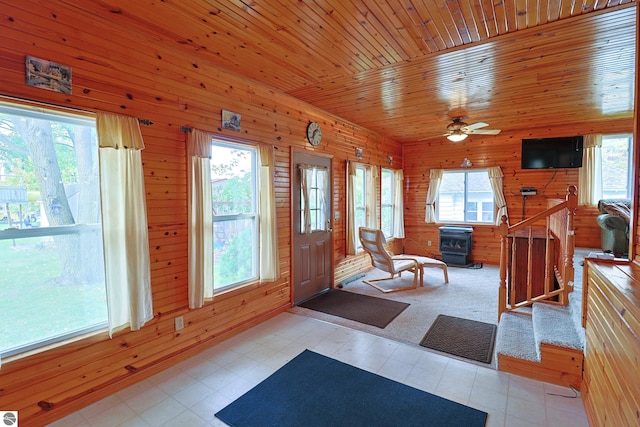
{"points": [[504, 151], [118, 70], [611, 370], [611, 312]]}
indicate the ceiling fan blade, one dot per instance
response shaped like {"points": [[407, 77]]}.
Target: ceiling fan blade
{"points": [[476, 126], [484, 131], [431, 137]]}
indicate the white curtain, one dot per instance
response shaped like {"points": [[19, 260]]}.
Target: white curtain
{"points": [[269, 258], [200, 216], [435, 177], [305, 222], [372, 219], [352, 234], [590, 174], [124, 222], [372, 190], [495, 177], [313, 176], [398, 205]]}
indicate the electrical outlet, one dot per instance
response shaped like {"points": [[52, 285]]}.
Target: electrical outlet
{"points": [[428, 242], [179, 323]]}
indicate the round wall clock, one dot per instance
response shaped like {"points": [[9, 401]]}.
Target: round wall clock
{"points": [[314, 134]]}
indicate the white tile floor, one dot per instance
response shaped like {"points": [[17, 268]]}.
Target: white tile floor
{"points": [[190, 393]]}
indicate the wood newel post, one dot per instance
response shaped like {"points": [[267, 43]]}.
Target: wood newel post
{"points": [[504, 261], [569, 272]]}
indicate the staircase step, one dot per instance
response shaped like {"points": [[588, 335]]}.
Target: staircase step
{"points": [[575, 304], [554, 325], [515, 337]]}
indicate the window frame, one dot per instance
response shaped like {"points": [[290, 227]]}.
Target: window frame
{"points": [[76, 118], [363, 206], [629, 183], [253, 216], [392, 175], [318, 215], [465, 193]]}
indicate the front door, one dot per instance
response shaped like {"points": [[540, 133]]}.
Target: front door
{"points": [[312, 225]]}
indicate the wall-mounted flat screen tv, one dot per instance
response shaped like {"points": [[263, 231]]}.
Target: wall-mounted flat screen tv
{"points": [[549, 153]]}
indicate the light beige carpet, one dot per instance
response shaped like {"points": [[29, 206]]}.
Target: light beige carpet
{"points": [[470, 294]]}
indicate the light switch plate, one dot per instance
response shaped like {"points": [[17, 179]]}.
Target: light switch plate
{"points": [[179, 323]]}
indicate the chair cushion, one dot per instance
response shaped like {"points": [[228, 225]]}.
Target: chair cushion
{"points": [[425, 261], [403, 264]]}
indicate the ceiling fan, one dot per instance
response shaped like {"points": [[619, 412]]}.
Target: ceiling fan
{"points": [[458, 130]]}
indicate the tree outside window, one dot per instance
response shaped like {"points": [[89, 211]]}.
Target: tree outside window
{"points": [[51, 256], [234, 182]]}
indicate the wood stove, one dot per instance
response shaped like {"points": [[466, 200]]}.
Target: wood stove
{"points": [[455, 244]]}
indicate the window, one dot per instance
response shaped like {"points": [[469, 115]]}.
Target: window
{"points": [[362, 182], [234, 184], [360, 198], [617, 175], [387, 207], [313, 209], [465, 197], [51, 256]]}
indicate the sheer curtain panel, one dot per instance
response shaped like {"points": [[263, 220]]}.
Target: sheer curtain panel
{"points": [[435, 177], [398, 205], [352, 234], [124, 221], [372, 219], [590, 174], [200, 227], [269, 258], [495, 177]]}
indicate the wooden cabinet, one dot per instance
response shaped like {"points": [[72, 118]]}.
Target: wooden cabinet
{"points": [[611, 383], [519, 271]]}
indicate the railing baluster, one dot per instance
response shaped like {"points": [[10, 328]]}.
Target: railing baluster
{"points": [[547, 257], [504, 260], [559, 233], [530, 264]]}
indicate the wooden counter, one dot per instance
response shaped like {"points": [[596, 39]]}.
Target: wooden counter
{"points": [[612, 367]]}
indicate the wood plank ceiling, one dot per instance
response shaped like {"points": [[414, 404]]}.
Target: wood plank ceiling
{"points": [[403, 68]]}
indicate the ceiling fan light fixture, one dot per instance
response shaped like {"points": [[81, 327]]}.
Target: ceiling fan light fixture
{"points": [[457, 136]]}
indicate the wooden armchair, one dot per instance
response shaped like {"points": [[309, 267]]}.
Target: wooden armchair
{"points": [[373, 242]]}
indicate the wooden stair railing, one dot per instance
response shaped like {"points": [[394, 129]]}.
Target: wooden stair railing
{"points": [[559, 232]]}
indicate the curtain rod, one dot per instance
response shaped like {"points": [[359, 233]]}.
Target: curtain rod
{"points": [[29, 103]]}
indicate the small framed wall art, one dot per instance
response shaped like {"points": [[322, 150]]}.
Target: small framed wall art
{"points": [[230, 120], [47, 75]]}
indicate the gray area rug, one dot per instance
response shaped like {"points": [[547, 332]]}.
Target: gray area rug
{"points": [[462, 337], [378, 312]]}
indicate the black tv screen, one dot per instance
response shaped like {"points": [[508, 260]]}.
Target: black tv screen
{"points": [[549, 153]]}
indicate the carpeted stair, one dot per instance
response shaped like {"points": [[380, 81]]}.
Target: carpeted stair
{"points": [[547, 344], [516, 337]]}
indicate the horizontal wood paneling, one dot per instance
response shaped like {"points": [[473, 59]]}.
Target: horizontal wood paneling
{"points": [[169, 62], [503, 151], [542, 76], [128, 72], [612, 366], [400, 69], [339, 38]]}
